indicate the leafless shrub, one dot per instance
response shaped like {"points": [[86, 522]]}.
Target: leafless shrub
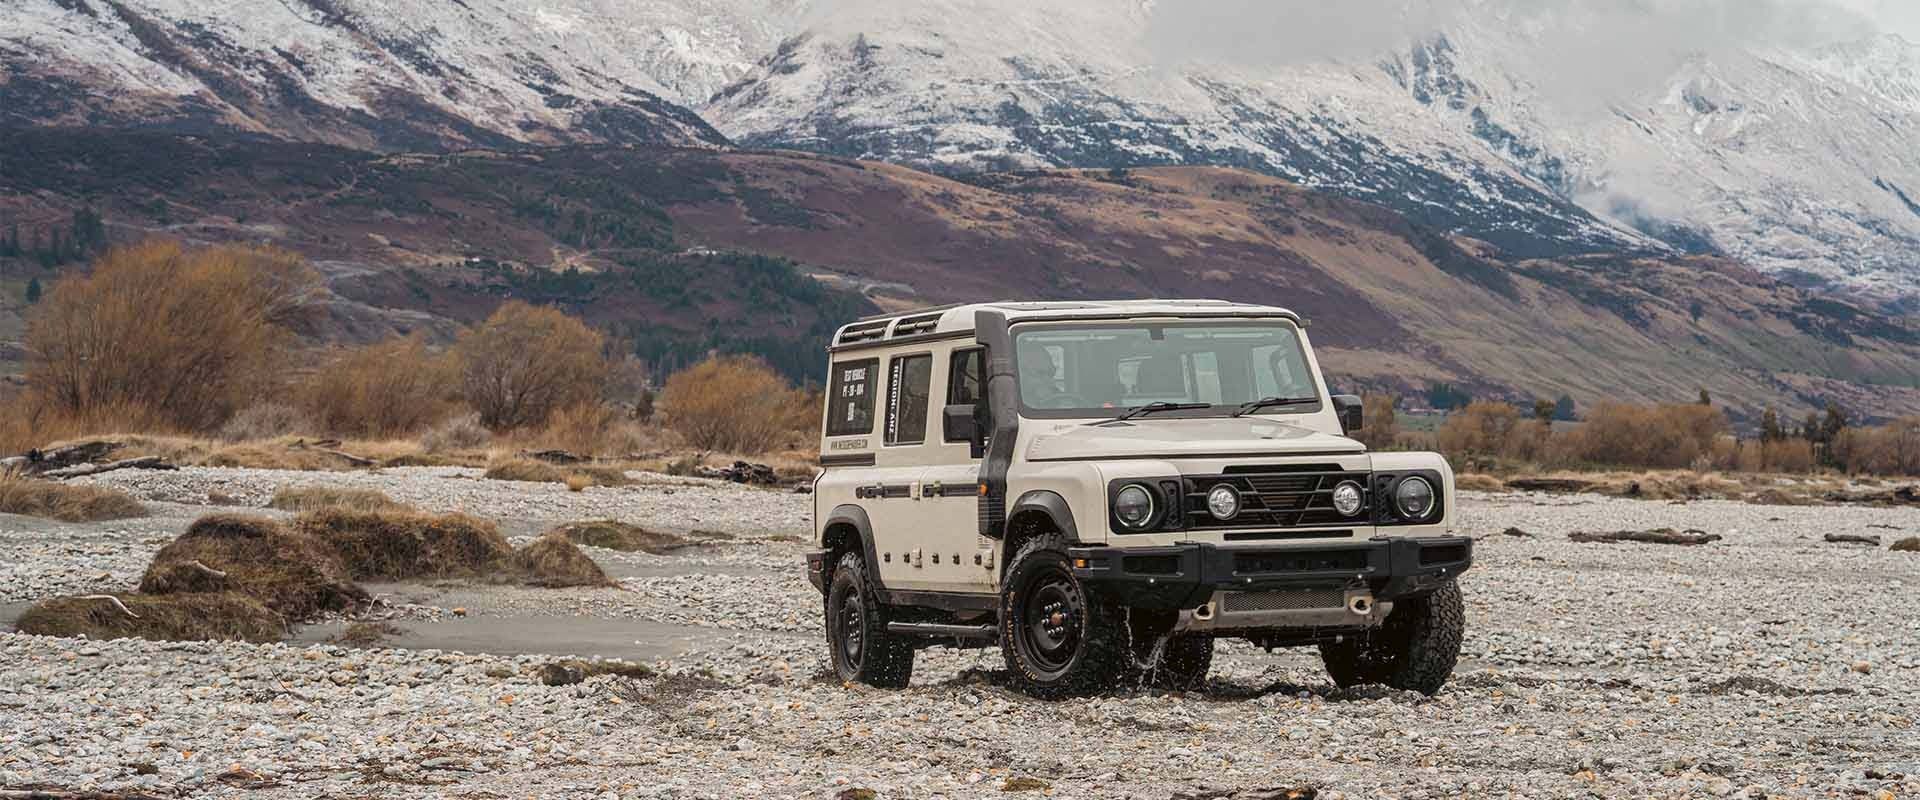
{"points": [[191, 335], [737, 404], [391, 388], [525, 363], [463, 432], [265, 421]]}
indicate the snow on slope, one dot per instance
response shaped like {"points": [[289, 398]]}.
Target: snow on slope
{"points": [[385, 72], [1799, 163]]}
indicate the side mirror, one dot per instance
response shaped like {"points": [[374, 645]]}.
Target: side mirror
{"points": [[1348, 407], [960, 424]]}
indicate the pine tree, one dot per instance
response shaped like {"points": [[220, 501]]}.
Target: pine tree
{"points": [[10, 246], [1835, 422], [1770, 426], [1563, 409], [33, 291], [1810, 428], [1705, 399]]}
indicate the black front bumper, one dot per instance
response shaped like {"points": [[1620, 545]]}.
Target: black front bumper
{"points": [[1185, 576]]}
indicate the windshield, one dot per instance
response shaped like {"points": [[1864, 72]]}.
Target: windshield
{"points": [[1105, 369]]}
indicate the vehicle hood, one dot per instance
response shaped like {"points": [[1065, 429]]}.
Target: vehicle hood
{"points": [[1185, 438]]}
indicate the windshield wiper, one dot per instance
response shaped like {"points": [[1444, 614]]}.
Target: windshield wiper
{"points": [[1152, 408], [1274, 402]]}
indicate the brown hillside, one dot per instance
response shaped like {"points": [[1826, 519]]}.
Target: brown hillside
{"points": [[639, 240]]}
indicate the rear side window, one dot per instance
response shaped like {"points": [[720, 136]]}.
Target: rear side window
{"points": [[907, 398], [966, 382], [850, 399]]}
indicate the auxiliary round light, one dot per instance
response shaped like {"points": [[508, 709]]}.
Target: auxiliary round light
{"points": [[1347, 499], [1133, 506], [1414, 498], [1223, 502]]}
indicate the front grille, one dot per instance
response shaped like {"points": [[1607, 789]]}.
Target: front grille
{"points": [[1298, 600], [1277, 497], [1278, 561]]}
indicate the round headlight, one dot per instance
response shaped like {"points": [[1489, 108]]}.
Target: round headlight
{"points": [[1347, 499], [1414, 498], [1133, 506], [1223, 502]]}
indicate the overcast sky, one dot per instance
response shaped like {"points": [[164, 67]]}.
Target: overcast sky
{"points": [[1585, 54]]}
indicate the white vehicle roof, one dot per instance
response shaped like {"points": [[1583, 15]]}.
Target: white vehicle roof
{"points": [[949, 321]]}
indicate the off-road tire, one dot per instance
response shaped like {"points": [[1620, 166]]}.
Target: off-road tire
{"points": [[875, 657], [1080, 652], [1415, 649], [1184, 665]]}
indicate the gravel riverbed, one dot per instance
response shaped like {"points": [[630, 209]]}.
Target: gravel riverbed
{"points": [[1769, 664]]}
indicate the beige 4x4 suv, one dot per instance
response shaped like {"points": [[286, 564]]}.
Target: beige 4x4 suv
{"points": [[1103, 488]]}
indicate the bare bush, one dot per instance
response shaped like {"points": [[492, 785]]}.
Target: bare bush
{"points": [[1381, 430], [390, 388], [736, 404], [1891, 449], [525, 363], [1671, 436], [265, 421], [463, 432], [1487, 428], [191, 335]]}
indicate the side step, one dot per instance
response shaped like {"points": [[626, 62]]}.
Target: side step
{"points": [[981, 633]]}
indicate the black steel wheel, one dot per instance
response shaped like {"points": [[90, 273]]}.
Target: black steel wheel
{"points": [[1058, 641], [857, 638]]}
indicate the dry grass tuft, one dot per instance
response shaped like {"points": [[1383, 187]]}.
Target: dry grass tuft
{"points": [[554, 561], [1475, 482], [174, 617], [313, 498], [397, 546], [365, 634], [528, 470], [613, 535], [281, 568], [67, 502]]}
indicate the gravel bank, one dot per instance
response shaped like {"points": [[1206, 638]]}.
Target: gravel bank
{"points": [[1769, 664]]}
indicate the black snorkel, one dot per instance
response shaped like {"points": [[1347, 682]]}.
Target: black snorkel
{"points": [[1003, 413]]}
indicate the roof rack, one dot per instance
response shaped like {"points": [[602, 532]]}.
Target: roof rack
{"points": [[863, 331], [912, 312]]}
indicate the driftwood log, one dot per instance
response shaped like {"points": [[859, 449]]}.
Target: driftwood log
{"points": [[1656, 536], [36, 462], [143, 462], [322, 447], [1852, 538], [556, 456], [1556, 485]]}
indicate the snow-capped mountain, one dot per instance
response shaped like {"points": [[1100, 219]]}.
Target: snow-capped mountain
{"points": [[1796, 160], [391, 74], [1800, 163]]}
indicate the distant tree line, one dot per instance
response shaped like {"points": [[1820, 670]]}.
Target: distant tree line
{"points": [[84, 236]]}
